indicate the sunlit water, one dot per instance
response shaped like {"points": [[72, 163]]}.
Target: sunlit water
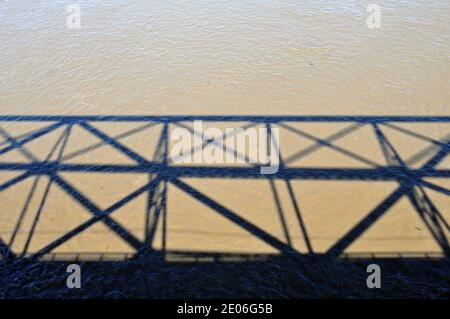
{"points": [[226, 57]]}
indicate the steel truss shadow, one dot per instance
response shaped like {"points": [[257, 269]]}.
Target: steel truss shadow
{"points": [[161, 172]]}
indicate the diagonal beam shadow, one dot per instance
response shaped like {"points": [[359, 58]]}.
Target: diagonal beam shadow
{"points": [[426, 208], [13, 142], [271, 140], [404, 188], [391, 155], [329, 139], [99, 216], [424, 152], [295, 205], [117, 145], [431, 217], [421, 202], [23, 211], [31, 137], [243, 157], [438, 214], [24, 135], [421, 154], [14, 181], [151, 213], [207, 143], [440, 156], [298, 214], [116, 137], [282, 162], [330, 145], [61, 143], [367, 221], [435, 187], [230, 215], [92, 208], [18, 137], [155, 208], [412, 133], [32, 189], [280, 212]]}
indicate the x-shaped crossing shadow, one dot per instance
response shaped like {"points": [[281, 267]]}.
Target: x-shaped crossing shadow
{"points": [[162, 172]]}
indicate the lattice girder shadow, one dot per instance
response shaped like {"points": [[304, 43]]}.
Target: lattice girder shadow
{"points": [[161, 172]]}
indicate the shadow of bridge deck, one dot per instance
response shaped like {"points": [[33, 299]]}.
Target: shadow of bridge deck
{"points": [[413, 183]]}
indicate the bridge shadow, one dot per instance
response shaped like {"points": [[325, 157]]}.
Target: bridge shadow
{"points": [[164, 229]]}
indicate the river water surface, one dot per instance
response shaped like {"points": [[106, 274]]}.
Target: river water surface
{"points": [[246, 57]]}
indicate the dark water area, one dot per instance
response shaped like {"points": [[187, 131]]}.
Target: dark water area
{"points": [[280, 277]]}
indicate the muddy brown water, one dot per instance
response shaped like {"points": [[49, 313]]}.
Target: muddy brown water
{"points": [[221, 58]]}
